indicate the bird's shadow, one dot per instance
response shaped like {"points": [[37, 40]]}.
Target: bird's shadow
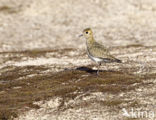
{"points": [[88, 70]]}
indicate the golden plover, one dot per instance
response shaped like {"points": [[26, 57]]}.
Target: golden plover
{"points": [[97, 52]]}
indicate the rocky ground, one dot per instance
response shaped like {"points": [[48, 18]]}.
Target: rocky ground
{"points": [[45, 73]]}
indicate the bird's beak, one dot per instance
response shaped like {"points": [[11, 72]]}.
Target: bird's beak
{"points": [[81, 35]]}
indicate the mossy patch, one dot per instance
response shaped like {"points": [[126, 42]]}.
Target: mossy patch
{"points": [[16, 94]]}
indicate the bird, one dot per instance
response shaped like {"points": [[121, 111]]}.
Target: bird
{"points": [[96, 51]]}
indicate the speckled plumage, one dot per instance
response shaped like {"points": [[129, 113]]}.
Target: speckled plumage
{"points": [[97, 52]]}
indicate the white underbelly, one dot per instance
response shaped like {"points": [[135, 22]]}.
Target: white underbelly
{"points": [[95, 59], [98, 60]]}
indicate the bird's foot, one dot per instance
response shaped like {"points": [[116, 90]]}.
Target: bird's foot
{"points": [[97, 73]]}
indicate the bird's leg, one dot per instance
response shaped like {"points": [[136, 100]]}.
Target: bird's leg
{"points": [[99, 64]]}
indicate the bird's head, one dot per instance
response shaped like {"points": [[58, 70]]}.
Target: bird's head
{"points": [[87, 33]]}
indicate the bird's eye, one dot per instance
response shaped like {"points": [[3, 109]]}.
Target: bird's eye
{"points": [[86, 32]]}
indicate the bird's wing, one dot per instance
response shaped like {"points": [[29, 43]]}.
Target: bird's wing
{"points": [[98, 50]]}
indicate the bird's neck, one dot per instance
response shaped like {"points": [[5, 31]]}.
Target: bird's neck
{"points": [[90, 40]]}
